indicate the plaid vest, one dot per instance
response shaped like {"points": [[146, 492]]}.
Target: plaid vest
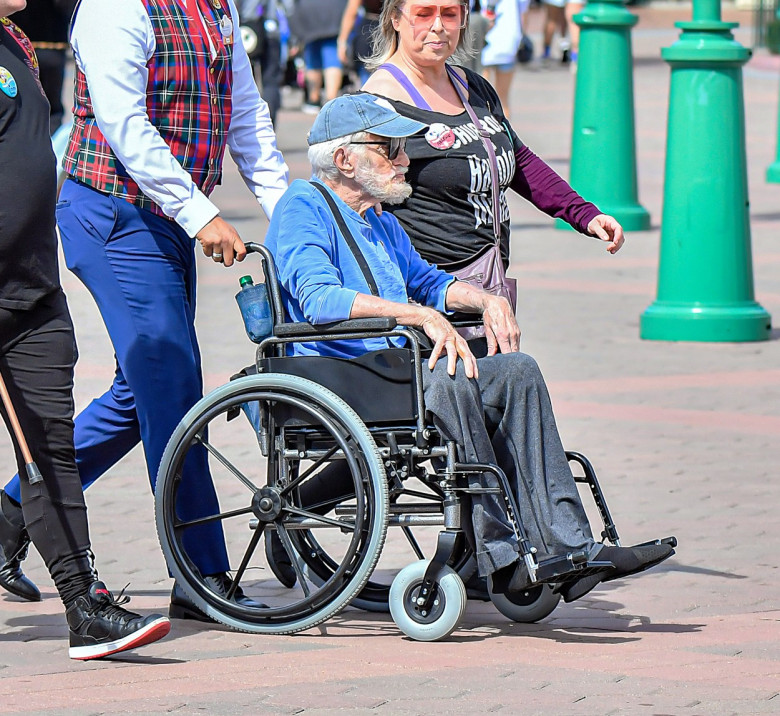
{"points": [[188, 100]]}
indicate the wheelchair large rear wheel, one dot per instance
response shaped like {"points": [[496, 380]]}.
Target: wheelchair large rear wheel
{"points": [[257, 466]]}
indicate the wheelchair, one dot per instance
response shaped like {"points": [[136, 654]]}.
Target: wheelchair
{"points": [[353, 434]]}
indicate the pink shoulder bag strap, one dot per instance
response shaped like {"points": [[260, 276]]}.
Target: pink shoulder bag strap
{"points": [[457, 81]]}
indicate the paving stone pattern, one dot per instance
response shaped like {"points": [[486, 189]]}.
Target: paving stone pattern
{"points": [[684, 437]]}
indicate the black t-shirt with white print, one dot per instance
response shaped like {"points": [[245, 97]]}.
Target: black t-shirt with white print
{"points": [[449, 216]]}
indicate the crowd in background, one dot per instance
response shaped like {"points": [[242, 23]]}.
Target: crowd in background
{"points": [[316, 46]]}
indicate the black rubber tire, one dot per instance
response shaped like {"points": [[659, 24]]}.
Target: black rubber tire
{"points": [[337, 421], [526, 607]]}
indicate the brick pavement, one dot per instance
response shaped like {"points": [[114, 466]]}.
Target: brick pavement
{"points": [[684, 437]]}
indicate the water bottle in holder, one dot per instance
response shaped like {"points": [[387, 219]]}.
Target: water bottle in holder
{"points": [[255, 309]]}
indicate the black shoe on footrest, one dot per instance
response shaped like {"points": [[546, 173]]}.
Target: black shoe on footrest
{"points": [[568, 567], [627, 561], [632, 560], [578, 588]]}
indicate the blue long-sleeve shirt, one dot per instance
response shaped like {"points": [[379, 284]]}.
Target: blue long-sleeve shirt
{"points": [[320, 276]]}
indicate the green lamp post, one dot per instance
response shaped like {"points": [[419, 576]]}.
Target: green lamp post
{"points": [[705, 273], [603, 147], [773, 170], [773, 38]]}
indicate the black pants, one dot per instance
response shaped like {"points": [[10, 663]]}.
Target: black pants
{"points": [[37, 356], [268, 63]]}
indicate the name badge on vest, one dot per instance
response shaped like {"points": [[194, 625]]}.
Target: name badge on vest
{"points": [[226, 28], [7, 83]]}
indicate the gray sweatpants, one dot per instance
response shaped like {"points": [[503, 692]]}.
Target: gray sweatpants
{"points": [[505, 417]]}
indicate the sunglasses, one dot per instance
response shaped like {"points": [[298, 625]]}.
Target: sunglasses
{"points": [[422, 17], [395, 146]]}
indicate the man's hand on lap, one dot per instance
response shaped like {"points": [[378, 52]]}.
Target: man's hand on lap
{"points": [[447, 340], [501, 329]]}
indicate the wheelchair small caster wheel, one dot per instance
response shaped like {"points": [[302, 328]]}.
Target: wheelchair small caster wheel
{"points": [[527, 606], [445, 612]]}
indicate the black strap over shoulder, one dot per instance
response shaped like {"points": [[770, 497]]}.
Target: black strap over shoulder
{"points": [[349, 238]]}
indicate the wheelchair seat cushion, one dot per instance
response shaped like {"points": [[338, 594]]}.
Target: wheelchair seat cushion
{"points": [[378, 386]]}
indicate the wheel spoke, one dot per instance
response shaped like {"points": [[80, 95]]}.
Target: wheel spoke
{"points": [[298, 480], [320, 518], [212, 518], [226, 463], [291, 552], [250, 550]]}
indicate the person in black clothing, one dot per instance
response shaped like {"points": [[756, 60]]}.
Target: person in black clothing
{"points": [[265, 19], [37, 357], [45, 22]]}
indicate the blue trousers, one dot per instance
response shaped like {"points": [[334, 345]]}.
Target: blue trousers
{"points": [[140, 269]]}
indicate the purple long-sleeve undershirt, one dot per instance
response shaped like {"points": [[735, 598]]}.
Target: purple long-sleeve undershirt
{"points": [[536, 181]]}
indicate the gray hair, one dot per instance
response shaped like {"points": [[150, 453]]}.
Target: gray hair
{"points": [[385, 38], [321, 155]]}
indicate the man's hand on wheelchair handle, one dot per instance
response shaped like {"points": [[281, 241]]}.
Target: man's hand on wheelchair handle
{"points": [[221, 242]]}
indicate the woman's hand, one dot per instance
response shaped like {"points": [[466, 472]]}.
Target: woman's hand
{"points": [[607, 229], [501, 329]]}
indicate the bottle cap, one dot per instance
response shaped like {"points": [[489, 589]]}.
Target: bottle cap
{"points": [[246, 281]]}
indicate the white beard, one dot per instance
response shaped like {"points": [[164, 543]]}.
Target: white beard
{"points": [[384, 191]]}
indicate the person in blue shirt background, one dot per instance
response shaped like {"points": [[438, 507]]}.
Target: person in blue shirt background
{"points": [[497, 408]]}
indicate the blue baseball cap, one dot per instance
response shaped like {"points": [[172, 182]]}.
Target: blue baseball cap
{"points": [[362, 112]]}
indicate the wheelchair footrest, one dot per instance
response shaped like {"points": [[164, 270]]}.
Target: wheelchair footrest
{"points": [[671, 541], [557, 570]]}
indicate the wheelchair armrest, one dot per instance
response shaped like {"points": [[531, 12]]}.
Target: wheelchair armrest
{"points": [[355, 325], [463, 320]]}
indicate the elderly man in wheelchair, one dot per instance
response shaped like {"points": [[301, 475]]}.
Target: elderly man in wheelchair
{"points": [[479, 434]]}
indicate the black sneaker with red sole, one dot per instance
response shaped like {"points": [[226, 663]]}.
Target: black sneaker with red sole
{"points": [[100, 626]]}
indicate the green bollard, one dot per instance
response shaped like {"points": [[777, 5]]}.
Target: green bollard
{"points": [[773, 170], [603, 147], [705, 272]]}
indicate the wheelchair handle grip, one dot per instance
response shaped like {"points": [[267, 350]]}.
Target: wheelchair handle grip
{"points": [[354, 325], [460, 319]]}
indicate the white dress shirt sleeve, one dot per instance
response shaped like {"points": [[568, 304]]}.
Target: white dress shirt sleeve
{"points": [[251, 137], [113, 41]]}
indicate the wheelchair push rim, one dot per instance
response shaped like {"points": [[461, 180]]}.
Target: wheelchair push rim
{"points": [[257, 494]]}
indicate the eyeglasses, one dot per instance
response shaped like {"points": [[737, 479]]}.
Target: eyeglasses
{"points": [[395, 146], [422, 17]]}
